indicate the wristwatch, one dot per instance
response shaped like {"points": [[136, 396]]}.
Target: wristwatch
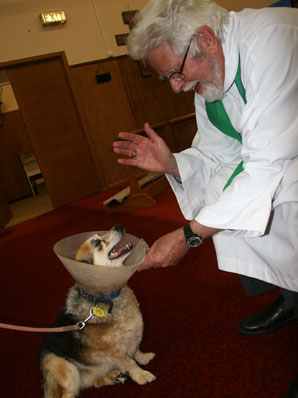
{"points": [[192, 239]]}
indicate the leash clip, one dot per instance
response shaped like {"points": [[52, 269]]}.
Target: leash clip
{"points": [[91, 315]]}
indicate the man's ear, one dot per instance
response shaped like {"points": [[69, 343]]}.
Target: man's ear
{"points": [[207, 39]]}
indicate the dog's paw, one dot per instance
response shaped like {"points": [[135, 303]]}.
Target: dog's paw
{"points": [[143, 377], [144, 358], [115, 377], [121, 377]]}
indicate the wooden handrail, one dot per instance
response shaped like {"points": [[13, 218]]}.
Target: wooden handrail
{"points": [[182, 118], [157, 126]]}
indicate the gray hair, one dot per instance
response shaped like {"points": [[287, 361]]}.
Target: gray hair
{"points": [[173, 22]]}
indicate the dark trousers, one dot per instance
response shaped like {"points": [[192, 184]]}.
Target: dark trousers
{"points": [[253, 286]]}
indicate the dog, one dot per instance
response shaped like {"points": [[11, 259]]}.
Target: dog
{"points": [[106, 351], [101, 250]]}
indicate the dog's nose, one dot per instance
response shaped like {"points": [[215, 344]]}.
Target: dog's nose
{"points": [[119, 228]]}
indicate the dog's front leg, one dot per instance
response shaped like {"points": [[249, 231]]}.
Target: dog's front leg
{"points": [[140, 376], [144, 358]]}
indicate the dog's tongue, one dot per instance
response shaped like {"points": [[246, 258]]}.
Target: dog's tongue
{"points": [[117, 252]]}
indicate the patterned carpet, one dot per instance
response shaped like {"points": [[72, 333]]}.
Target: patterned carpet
{"points": [[190, 311]]}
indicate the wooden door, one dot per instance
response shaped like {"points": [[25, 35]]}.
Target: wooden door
{"points": [[105, 110], [5, 212], [44, 95], [12, 175]]}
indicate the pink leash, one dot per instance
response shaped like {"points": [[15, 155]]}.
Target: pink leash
{"points": [[44, 330], [70, 328]]}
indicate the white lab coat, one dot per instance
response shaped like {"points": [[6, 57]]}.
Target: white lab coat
{"points": [[258, 212]]}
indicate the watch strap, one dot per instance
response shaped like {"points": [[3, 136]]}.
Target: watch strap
{"points": [[191, 238]]}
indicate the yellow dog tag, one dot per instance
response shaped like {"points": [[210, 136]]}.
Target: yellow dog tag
{"points": [[99, 312]]}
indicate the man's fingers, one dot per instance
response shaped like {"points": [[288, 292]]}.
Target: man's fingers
{"points": [[150, 132], [145, 266], [127, 162], [124, 149], [141, 268], [126, 136], [121, 145], [131, 137]]}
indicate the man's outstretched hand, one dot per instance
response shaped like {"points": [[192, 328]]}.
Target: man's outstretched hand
{"points": [[151, 152]]}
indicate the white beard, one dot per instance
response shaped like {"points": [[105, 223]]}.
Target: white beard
{"points": [[189, 86], [212, 93]]}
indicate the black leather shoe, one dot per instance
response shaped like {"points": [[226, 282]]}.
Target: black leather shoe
{"points": [[268, 320], [293, 390]]}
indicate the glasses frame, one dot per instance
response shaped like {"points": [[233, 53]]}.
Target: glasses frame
{"points": [[178, 75]]}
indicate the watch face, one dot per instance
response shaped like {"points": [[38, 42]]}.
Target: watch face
{"points": [[194, 241]]}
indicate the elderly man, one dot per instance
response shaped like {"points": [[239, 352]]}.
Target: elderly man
{"points": [[239, 181]]}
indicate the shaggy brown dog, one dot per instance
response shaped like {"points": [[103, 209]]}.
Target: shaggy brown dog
{"points": [[106, 351]]}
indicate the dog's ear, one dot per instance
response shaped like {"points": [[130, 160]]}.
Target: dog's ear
{"points": [[95, 242]]}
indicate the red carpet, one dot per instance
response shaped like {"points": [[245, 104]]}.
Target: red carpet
{"points": [[190, 311]]}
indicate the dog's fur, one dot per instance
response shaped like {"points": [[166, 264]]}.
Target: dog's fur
{"points": [[107, 349]]}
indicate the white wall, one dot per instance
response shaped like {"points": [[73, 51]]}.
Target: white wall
{"points": [[238, 5], [88, 34], [84, 37]]}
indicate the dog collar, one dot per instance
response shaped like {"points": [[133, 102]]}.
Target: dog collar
{"points": [[105, 299]]}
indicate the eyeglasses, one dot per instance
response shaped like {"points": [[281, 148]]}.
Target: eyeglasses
{"points": [[178, 75]]}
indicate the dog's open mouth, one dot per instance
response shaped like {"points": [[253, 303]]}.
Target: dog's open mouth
{"points": [[117, 252]]}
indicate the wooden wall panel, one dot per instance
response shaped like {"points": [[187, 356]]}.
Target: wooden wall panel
{"points": [[12, 175], [45, 98], [5, 212], [124, 104], [184, 130], [105, 111], [18, 130], [150, 99], [74, 150], [14, 140]]}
